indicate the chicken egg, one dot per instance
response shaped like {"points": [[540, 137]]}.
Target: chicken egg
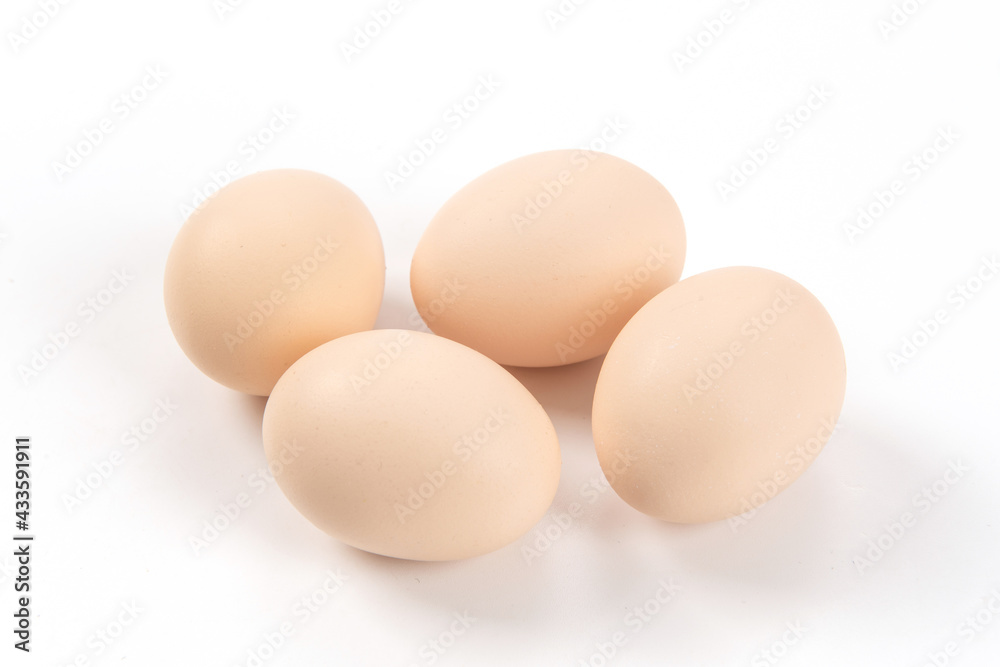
{"points": [[409, 445], [542, 261], [271, 266], [718, 394]]}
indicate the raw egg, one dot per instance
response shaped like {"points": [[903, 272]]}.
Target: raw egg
{"points": [[409, 445], [273, 265], [542, 261], [717, 395]]}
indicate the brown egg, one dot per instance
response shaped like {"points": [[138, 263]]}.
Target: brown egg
{"points": [[717, 395], [410, 445], [542, 261], [272, 266]]}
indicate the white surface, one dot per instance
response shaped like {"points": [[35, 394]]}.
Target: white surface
{"points": [[794, 562]]}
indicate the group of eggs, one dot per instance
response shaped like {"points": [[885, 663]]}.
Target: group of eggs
{"points": [[716, 392]]}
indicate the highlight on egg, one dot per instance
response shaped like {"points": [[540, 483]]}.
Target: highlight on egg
{"points": [[541, 261], [271, 266], [409, 445], [718, 394]]}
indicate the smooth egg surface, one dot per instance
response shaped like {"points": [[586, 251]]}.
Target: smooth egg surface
{"points": [[542, 261], [273, 265], [409, 445], [718, 394]]}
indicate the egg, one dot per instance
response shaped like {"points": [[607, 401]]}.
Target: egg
{"points": [[409, 445], [542, 261], [717, 395], [271, 266]]}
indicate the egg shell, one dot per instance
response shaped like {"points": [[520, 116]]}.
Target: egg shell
{"points": [[718, 394], [542, 261], [409, 445], [273, 265]]}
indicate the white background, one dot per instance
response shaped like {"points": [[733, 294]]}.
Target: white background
{"points": [[794, 562]]}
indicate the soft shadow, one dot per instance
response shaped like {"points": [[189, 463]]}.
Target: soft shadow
{"points": [[563, 390], [783, 554], [398, 312], [251, 408]]}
